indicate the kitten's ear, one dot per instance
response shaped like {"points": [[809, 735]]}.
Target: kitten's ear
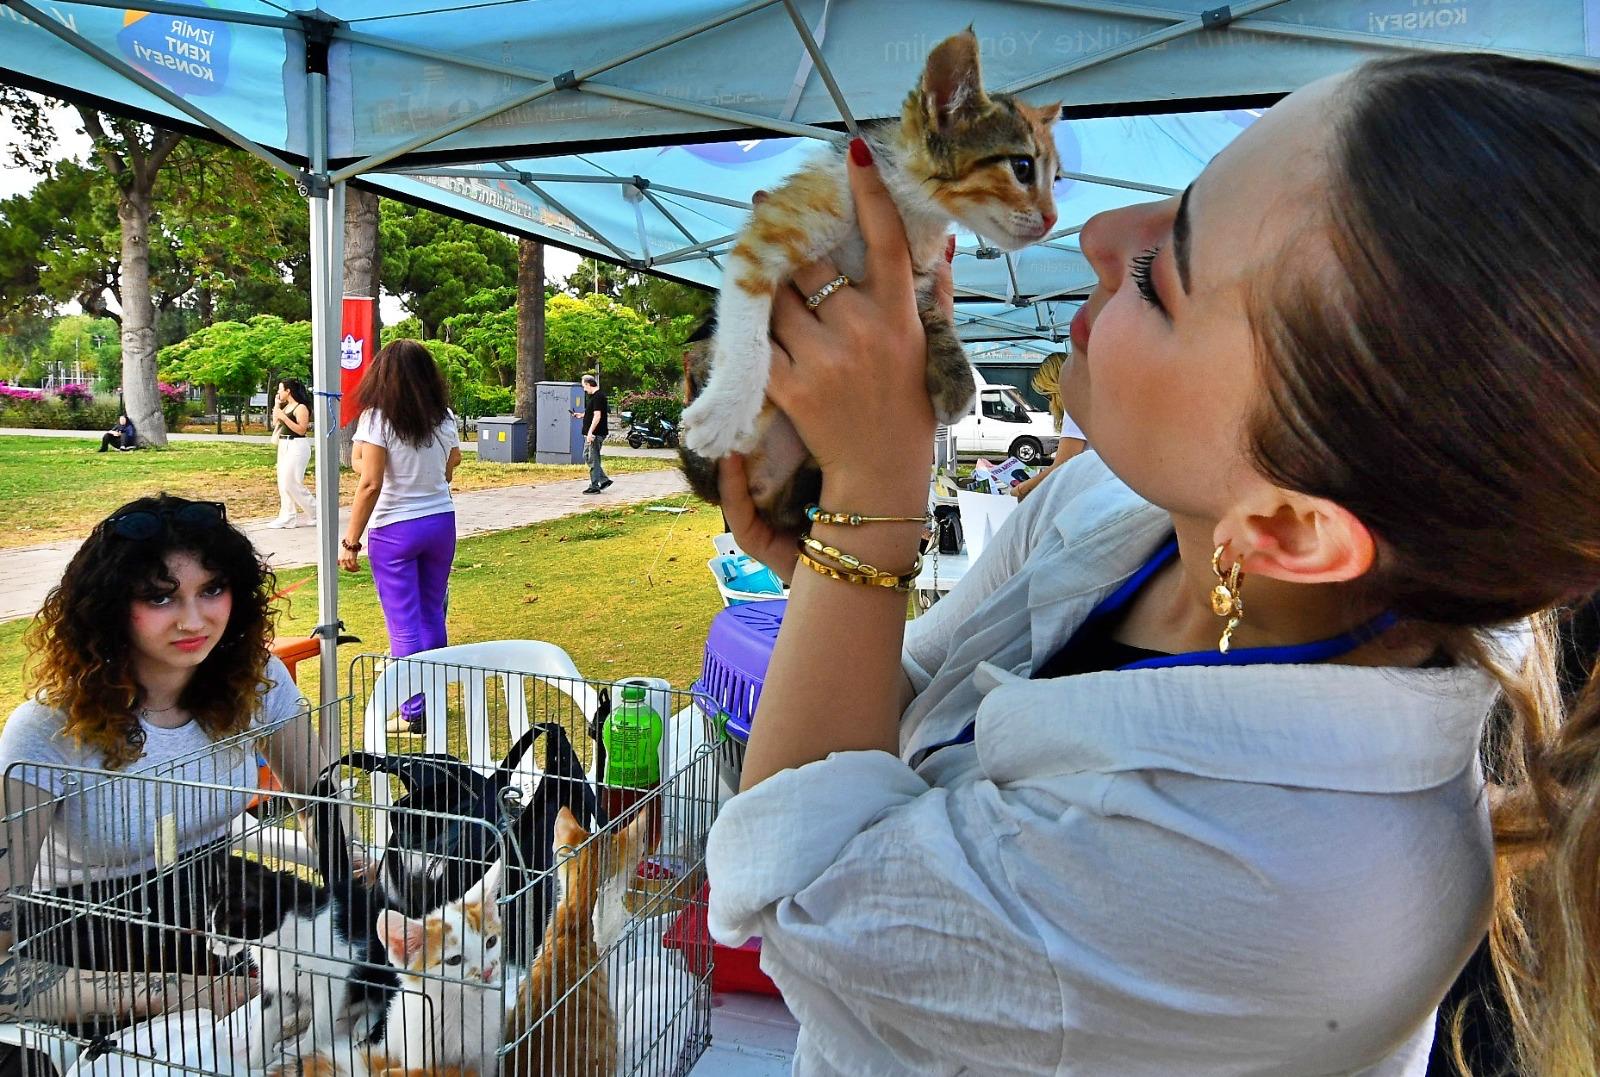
{"points": [[486, 891], [567, 830], [401, 936], [952, 84], [1045, 114]]}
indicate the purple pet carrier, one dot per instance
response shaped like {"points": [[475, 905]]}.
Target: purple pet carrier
{"points": [[738, 648]]}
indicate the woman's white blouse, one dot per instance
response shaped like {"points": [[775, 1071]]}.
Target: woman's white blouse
{"points": [[1235, 870]]}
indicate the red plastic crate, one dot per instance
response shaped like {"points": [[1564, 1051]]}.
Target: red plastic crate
{"points": [[732, 968]]}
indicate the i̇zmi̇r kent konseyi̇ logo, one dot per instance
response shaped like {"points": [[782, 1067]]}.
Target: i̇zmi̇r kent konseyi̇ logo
{"points": [[187, 55]]}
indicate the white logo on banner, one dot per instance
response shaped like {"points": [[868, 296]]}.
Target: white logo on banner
{"points": [[350, 352]]}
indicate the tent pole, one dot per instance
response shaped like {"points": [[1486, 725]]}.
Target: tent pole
{"points": [[325, 387]]}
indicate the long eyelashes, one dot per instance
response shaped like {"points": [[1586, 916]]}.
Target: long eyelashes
{"points": [[1139, 270]]}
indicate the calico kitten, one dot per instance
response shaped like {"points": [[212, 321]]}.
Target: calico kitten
{"points": [[323, 968], [562, 1024], [450, 1014], [451, 1011], [957, 153]]}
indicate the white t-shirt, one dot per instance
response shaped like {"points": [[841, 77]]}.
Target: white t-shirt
{"points": [[414, 485], [1070, 429], [104, 827]]}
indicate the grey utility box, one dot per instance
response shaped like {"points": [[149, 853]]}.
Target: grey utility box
{"points": [[558, 437], [503, 439]]}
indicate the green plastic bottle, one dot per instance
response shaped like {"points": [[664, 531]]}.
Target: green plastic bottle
{"points": [[632, 737]]}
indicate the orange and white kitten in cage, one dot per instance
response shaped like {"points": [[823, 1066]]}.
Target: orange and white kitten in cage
{"points": [[448, 1017], [957, 153], [562, 1024]]}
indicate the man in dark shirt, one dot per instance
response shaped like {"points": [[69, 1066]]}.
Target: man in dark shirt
{"points": [[596, 412]]}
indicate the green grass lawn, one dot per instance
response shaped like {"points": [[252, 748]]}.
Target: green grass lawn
{"points": [[57, 488], [625, 592]]}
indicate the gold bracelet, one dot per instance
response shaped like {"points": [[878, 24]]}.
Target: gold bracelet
{"points": [[902, 584], [850, 562], [818, 515]]}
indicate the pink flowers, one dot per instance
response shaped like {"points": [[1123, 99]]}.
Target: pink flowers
{"points": [[74, 395], [173, 394], [10, 392]]}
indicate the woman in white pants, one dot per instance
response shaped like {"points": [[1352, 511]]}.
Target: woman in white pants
{"points": [[291, 429]]}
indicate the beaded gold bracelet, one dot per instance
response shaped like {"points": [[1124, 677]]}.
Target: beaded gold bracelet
{"points": [[902, 584], [850, 562], [818, 515]]}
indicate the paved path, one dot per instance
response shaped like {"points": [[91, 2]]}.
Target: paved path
{"points": [[28, 572], [615, 445]]}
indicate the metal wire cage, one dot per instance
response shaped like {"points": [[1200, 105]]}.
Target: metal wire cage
{"points": [[437, 902]]}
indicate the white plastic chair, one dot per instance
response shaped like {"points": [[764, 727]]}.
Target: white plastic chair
{"points": [[472, 666]]}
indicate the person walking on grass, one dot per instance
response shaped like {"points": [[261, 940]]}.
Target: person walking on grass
{"points": [[291, 431], [596, 413], [406, 451]]}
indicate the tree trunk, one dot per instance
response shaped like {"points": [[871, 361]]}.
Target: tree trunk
{"points": [[141, 400], [362, 267], [530, 327]]}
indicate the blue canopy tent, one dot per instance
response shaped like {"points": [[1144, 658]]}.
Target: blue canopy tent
{"points": [[637, 132]]}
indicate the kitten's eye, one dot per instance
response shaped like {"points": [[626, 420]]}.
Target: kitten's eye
{"points": [[454, 959], [491, 942], [1022, 168]]}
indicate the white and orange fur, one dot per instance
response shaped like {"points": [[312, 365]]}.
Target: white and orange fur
{"points": [[957, 153], [449, 1015], [562, 1023]]}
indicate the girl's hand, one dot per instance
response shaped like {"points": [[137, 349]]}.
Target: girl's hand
{"points": [[851, 375], [773, 548], [349, 560]]}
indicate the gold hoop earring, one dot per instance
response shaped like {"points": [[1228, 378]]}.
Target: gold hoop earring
{"points": [[1227, 597]]}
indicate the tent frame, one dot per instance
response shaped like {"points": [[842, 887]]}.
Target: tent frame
{"points": [[323, 185]]}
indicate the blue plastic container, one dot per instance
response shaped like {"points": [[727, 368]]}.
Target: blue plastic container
{"points": [[738, 648]]}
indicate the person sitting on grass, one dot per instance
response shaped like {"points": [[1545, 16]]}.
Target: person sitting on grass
{"points": [[121, 437], [150, 657]]}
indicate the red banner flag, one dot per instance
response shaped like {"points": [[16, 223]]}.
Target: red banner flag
{"points": [[355, 353]]}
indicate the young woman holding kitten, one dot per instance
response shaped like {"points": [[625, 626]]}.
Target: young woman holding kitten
{"points": [[1184, 776]]}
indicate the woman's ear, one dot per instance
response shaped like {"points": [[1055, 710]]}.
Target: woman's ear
{"points": [[1299, 539]]}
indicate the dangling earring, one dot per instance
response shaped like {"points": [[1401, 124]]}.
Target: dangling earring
{"points": [[1227, 600]]}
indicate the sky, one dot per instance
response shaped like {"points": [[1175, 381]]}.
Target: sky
{"points": [[558, 264]]}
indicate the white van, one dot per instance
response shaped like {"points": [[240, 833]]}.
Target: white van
{"points": [[1001, 425]]}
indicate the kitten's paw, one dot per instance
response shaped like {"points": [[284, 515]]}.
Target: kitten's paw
{"points": [[719, 423], [950, 384]]}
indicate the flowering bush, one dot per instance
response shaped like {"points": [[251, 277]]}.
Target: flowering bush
{"points": [[12, 393], [172, 394], [74, 395]]}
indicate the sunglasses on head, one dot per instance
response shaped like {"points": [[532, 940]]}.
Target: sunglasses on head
{"points": [[142, 524]]}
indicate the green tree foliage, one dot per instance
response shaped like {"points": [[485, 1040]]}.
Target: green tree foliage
{"points": [[599, 333], [92, 343], [487, 330], [660, 300], [240, 357], [434, 263], [470, 395]]}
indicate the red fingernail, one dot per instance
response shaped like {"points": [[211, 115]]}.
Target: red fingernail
{"points": [[950, 249], [859, 153]]}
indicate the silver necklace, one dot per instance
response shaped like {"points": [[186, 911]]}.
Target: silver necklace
{"points": [[146, 712]]}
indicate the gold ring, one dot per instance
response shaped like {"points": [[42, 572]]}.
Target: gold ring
{"points": [[814, 301]]}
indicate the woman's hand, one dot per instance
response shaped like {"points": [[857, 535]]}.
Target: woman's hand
{"points": [[775, 549], [349, 560], [851, 375]]}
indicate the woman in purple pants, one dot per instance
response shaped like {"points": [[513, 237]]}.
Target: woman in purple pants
{"points": [[406, 450]]}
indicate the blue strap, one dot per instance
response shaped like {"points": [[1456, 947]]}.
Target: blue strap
{"points": [[1294, 654]]}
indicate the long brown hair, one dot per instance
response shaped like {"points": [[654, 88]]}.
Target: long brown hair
{"points": [[1441, 380], [78, 644], [404, 383]]}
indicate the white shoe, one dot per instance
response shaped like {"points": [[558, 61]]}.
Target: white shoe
{"points": [[282, 522]]}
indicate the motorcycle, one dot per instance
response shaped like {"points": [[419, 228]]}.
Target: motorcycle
{"points": [[656, 432]]}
